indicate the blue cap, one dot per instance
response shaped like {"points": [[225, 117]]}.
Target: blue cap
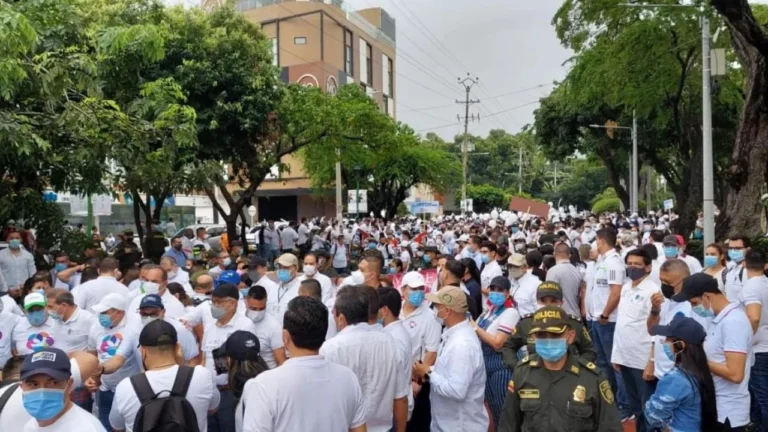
{"points": [[683, 328], [228, 276], [151, 301], [48, 361]]}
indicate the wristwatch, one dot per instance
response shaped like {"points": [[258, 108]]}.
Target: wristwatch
{"points": [[655, 312], [603, 317]]}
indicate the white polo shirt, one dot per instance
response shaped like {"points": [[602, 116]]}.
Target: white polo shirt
{"points": [[730, 332], [372, 355], [27, 339], [525, 294], [202, 395], [505, 322], [304, 394], [694, 266], [121, 340], [424, 330], [326, 286], [72, 335], [75, 419], [270, 335], [90, 293], [214, 336], [278, 295], [631, 341], [9, 305], [734, 282], [201, 314], [609, 270], [8, 323], [755, 291], [403, 339], [187, 341]]}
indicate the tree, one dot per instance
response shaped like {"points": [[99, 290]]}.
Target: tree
{"points": [[486, 197], [585, 178]]}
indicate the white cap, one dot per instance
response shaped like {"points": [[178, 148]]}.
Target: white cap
{"points": [[111, 301], [34, 299], [413, 280], [464, 238]]}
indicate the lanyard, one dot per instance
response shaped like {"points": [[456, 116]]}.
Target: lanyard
{"points": [[490, 317]]}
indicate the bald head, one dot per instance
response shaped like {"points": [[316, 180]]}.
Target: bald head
{"points": [[157, 275], [204, 284], [562, 251]]}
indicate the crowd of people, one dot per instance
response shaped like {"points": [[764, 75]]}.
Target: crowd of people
{"points": [[500, 322]]}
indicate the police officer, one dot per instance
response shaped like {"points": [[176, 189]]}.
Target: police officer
{"points": [[555, 390], [127, 253], [520, 343], [155, 242]]}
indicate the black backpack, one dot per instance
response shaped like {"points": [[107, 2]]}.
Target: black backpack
{"points": [[167, 414]]}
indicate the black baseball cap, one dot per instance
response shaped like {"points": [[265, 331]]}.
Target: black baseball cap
{"points": [[501, 282], [255, 261], [683, 328], [695, 285], [242, 345], [151, 301], [226, 290], [158, 333], [48, 361], [549, 289]]}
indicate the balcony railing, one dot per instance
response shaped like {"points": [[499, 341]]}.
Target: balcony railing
{"points": [[351, 14]]}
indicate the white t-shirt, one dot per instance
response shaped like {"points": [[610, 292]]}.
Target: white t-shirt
{"points": [[424, 330], [90, 293], [75, 419], [504, 322], [202, 395], [270, 335], [734, 282], [214, 336], [730, 332], [8, 322], [304, 394], [10, 306], [525, 294], [72, 336], [755, 291], [326, 286], [339, 255], [201, 314], [278, 295], [121, 340], [631, 341], [187, 341], [28, 339], [403, 339], [609, 270], [372, 355]]}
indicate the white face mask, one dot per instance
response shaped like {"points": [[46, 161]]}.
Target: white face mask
{"points": [[357, 277], [172, 274], [147, 319], [256, 316], [309, 270], [150, 288]]}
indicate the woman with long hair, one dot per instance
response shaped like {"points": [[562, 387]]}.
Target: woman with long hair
{"points": [[714, 263], [684, 400], [240, 356], [471, 280]]}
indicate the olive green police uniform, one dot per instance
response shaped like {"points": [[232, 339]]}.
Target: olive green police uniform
{"points": [[576, 398], [521, 339]]}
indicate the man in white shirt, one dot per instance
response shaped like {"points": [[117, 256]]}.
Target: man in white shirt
{"points": [[92, 292], [632, 343], [491, 268], [157, 283], [16, 264], [175, 274], [389, 314], [588, 235], [728, 345], [159, 348], [268, 329], [311, 272], [674, 247], [285, 288], [603, 297], [8, 322], [311, 288], [36, 331], [303, 233], [46, 383], [738, 246], [152, 309], [524, 284], [308, 392], [754, 299], [340, 255], [372, 355], [457, 380]]}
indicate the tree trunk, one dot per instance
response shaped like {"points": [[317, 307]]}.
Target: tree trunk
{"points": [[137, 214], [746, 176], [608, 157]]}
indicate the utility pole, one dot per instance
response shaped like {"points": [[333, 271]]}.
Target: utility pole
{"points": [[706, 95], [520, 172], [648, 185], [467, 82], [339, 206], [635, 180]]}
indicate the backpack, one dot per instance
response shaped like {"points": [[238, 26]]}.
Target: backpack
{"points": [[8, 393], [168, 414]]}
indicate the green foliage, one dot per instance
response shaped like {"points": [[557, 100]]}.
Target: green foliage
{"points": [[486, 197], [583, 179], [402, 210], [27, 207], [606, 205], [695, 248], [74, 242]]}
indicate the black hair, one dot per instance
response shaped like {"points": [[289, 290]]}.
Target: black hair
{"points": [[650, 250], [89, 274], [608, 236], [546, 249], [257, 292], [456, 268], [692, 362], [744, 239], [471, 266], [373, 303], [240, 371], [312, 287], [352, 302], [657, 236], [476, 240], [639, 253], [177, 290], [306, 320], [533, 259], [397, 263], [753, 260], [390, 298], [490, 245], [548, 261], [13, 366]]}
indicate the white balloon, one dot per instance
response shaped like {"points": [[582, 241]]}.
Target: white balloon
{"points": [[492, 223], [494, 214]]}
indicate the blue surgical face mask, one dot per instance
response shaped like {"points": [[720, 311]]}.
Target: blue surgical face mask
{"points": [[415, 298], [380, 322], [515, 230], [736, 255], [551, 350], [284, 275], [670, 251], [43, 404], [427, 259], [710, 261], [668, 351], [371, 245], [244, 292], [36, 318], [55, 316], [60, 267], [703, 312], [105, 320], [485, 258], [497, 298], [14, 244]]}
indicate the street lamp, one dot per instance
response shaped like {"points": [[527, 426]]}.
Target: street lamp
{"points": [[633, 180], [357, 192], [708, 191]]}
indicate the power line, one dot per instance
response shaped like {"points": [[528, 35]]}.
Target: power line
{"points": [[489, 115]]}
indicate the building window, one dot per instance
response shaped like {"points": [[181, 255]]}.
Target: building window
{"points": [[275, 54], [390, 78], [348, 56], [300, 40], [385, 103], [369, 63]]}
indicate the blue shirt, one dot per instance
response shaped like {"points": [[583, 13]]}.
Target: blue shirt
{"points": [[179, 256], [676, 404]]}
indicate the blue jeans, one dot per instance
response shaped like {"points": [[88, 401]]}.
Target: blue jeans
{"points": [[105, 399], [224, 419], [637, 391], [602, 336], [758, 389]]}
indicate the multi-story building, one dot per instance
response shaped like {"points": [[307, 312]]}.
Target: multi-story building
{"points": [[326, 44]]}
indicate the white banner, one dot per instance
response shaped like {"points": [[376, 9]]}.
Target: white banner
{"points": [[669, 204], [421, 207], [102, 205], [352, 204]]}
